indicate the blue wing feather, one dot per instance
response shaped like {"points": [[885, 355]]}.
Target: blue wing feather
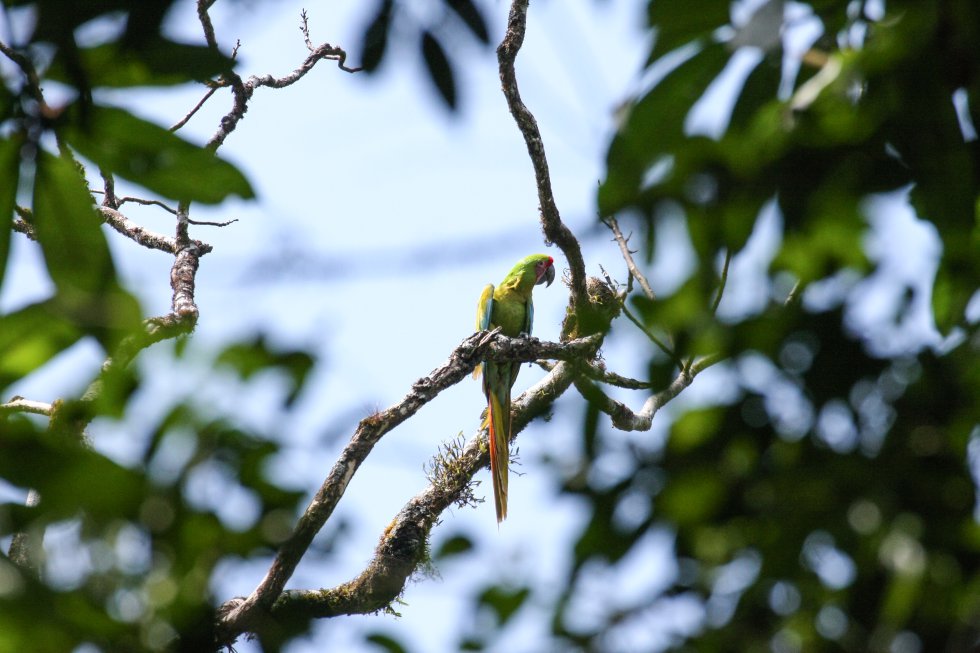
{"points": [[484, 308]]}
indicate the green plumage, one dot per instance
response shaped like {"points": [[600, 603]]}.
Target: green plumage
{"points": [[509, 307]]}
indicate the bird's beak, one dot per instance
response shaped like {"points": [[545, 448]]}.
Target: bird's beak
{"points": [[549, 276]]}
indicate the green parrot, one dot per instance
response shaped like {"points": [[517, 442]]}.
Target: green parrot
{"points": [[509, 307]]}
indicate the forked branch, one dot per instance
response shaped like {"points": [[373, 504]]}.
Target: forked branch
{"points": [[241, 615]]}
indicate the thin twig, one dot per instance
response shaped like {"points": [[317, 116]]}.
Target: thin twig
{"points": [[794, 294], [597, 372], [722, 282], [653, 338], [206, 223], [304, 27], [21, 405], [116, 202], [145, 202], [197, 107], [323, 51], [628, 257]]}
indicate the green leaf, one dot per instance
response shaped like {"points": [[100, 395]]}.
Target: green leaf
{"points": [[760, 88], [253, 357], [693, 429], [683, 310], [691, 496], [152, 156], [470, 15], [951, 293], [69, 229], [57, 19], [828, 243], [158, 63], [440, 70], [70, 477], [504, 602], [31, 337], [655, 126], [375, 39], [9, 176], [76, 253], [385, 642], [454, 546], [680, 21]]}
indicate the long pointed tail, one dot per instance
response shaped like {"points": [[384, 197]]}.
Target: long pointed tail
{"points": [[499, 421]]}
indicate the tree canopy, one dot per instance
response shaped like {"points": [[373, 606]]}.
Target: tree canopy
{"points": [[825, 499]]}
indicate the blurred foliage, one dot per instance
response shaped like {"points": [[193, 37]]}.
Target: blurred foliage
{"points": [[448, 25], [130, 549], [831, 503]]}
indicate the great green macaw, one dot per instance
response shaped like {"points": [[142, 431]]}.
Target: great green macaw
{"points": [[509, 307]]}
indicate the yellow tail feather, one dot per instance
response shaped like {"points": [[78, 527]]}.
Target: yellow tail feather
{"points": [[498, 418]]}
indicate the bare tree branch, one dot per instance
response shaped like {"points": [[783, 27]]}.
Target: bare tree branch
{"points": [[555, 231], [20, 405], [403, 542], [634, 270], [137, 233], [184, 270], [197, 107], [145, 202], [242, 91], [598, 372], [205, 18], [243, 615], [625, 419], [109, 193], [208, 223]]}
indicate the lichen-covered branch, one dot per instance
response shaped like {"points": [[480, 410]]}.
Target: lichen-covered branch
{"points": [[555, 231], [402, 545], [242, 615], [137, 233], [20, 405]]}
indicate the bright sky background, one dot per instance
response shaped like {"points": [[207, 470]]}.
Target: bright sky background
{"points": [[380, 217]]}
